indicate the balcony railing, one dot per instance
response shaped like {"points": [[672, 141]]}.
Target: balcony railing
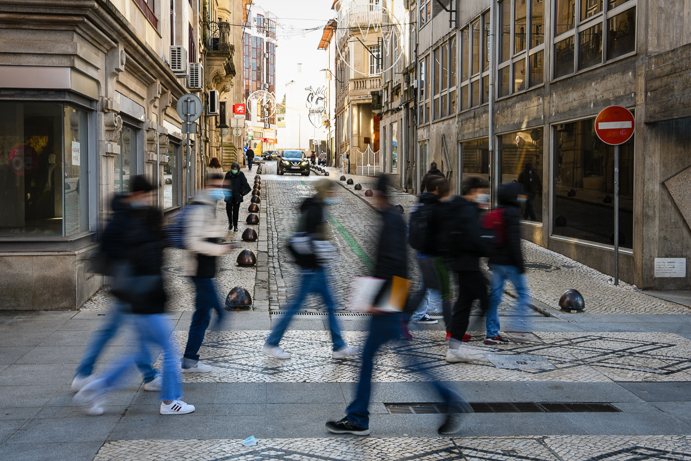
{"points": [[217, 36], [367, 83]]}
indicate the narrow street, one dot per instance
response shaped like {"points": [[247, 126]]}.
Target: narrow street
{"points": [[611, 383]]}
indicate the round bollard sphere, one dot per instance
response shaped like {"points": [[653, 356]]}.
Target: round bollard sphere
{"points": [[253, 208], [368, 193], [326, 174], [246, 259], [252, 218], [349, 181], [250, 235], [572, 300], [343, 178], [238, 298], [358, 186], [256, 199]]}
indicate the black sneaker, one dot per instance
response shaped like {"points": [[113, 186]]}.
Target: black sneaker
{"points": [[345, 427], [451, 425], [426, 320], [236, 229], [495, 340]]}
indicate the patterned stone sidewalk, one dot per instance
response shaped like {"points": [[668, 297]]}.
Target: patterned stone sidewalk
{"points": [[565, 357], [550, 448]]}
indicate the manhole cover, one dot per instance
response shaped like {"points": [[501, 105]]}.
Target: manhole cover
{"points": [[520, 362]]}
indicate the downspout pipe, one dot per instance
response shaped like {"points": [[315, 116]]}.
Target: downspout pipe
{"points": [[494, 157]]}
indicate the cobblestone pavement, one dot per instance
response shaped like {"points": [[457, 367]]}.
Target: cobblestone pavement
{"points": [[564, 357], [550, 273], [551, 448]]}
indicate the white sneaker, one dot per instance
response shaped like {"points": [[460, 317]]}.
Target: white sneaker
{"points": [[154, 385], [80, 381], [176, 407], [345, 353], [91, 397], [461, 355], [276, 352], [197, 368]]}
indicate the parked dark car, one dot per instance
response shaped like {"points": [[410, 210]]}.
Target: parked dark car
{"points": [[294, 161], [271, 155]]}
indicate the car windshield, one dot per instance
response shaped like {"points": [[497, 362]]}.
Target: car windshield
{"points": [[293, 154]]}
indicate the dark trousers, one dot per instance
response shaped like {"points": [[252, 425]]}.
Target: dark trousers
{"points": [[206, 299], [233, 210], [384, 328], [529, 211], [472, 285], [249, 162]]}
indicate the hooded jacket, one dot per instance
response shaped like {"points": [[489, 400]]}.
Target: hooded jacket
{"points": [[238, 185], [113, 238], [429, 202], [430, 176], [203, 230], [509, 253], [469, 214]]}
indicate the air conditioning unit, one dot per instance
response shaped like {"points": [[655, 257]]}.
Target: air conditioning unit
{"points": [[178, 60], [196, 77], [213, 107]]}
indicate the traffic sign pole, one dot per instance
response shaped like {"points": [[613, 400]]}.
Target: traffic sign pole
{"points": [[614, 126]]}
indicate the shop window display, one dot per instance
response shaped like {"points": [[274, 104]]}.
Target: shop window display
{"points": [[521, 161], [475, 158], [43, 170], [584, 185]]}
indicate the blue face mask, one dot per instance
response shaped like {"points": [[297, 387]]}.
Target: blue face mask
{"points": [[522, 200], [332, 201], [216, 194], [139, 204]]}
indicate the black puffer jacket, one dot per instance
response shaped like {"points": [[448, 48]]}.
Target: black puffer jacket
{"points": [[468, 214], [392, 250], [113, 238], [509, 253], [238, 184]]}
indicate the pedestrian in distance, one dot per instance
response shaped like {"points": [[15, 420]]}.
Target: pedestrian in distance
{"points": [[432, 174], [532, 187], [236, 182], [312, 252], [250, 158], [506, 262], [203, 240], [391, 261], [214, 167], [460, 239], [140, 283], [111, 255]]}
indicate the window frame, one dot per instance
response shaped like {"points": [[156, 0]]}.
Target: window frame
{"points": [[424, 13], [443, 92], [473, 77], [375, 60], [581, 25]]}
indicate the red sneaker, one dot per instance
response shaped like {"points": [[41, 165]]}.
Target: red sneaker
{"points": [[466, 338], [448, 335]]}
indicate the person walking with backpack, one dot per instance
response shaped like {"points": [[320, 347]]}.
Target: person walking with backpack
{"points": [[237, 184], [203, 234], [250, 158], [506, 262], [140, 283], [461, 240], [312, 256], [391, 262]]}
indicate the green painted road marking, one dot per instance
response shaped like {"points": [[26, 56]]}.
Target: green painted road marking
{"points": [[357, 249]]}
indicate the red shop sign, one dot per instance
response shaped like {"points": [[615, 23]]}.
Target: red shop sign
{"points": [[239, 109]]}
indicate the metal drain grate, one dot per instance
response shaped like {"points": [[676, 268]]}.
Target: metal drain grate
{"points": [[503, 407], [324, 314]]}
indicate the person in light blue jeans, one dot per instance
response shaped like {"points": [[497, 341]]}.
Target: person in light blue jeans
{"points": [[521, 322], [114, 319]]}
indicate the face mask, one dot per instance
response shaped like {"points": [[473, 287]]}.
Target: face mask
{"points": [[139, 204], [482, 198], [234, 171], [522, 200], [332, 201], [216, 194]]}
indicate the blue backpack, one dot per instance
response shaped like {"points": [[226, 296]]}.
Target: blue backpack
{"points": [[175, 231]]}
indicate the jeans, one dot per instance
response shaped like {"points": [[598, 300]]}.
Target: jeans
{"points": [[249, 162], [205, 300], [472, 285], [311, 281], [434, 285], [100, 338], [233, 211], [501, 274], [156, 329], [385, 328]]}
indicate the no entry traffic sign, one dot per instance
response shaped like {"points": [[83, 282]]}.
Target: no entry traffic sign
{"points": [[615, 125]]}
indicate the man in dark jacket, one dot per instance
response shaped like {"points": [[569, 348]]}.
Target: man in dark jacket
{"points": [[391, 261], [313, 274], [236, 182], [250, 157], [472, 284], [532, 186], [506, 263], [430, 176]]}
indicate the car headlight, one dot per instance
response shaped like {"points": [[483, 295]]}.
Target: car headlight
{"points": [[286, 162]]}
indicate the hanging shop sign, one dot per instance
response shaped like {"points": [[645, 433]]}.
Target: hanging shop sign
{"points": [[239, 109]]}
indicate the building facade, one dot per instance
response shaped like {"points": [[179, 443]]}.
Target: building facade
{"points": [[89, 91], [522, 108]]}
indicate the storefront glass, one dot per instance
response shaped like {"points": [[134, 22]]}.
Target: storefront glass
{"points": [[43, 169], [476, 161], [584, 185], [394, 147], [125, 163], [521, 161], [171, 177]]}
